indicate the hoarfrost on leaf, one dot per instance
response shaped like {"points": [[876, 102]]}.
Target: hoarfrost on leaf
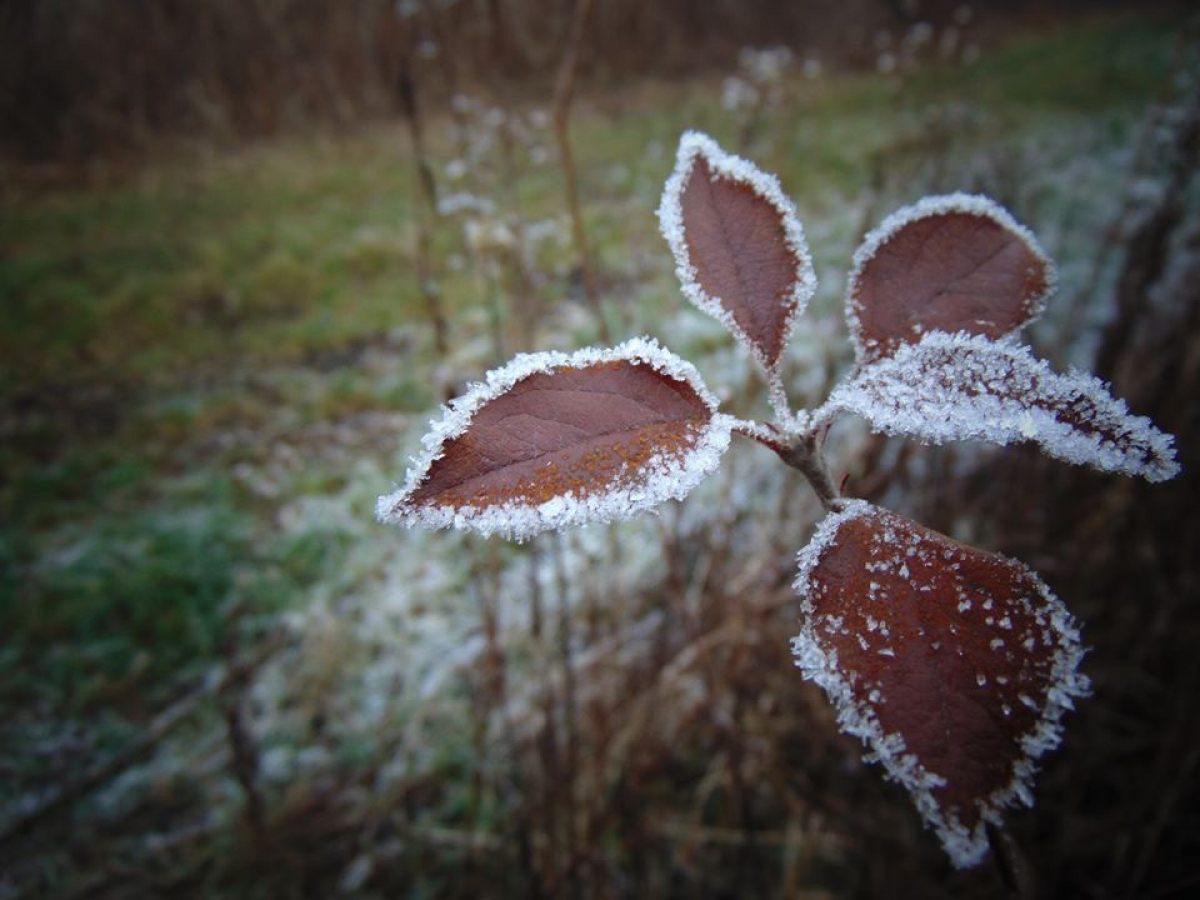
{"points": [[965, 387], [958, 262], [553, 440], [740, 251], [948, 718]]}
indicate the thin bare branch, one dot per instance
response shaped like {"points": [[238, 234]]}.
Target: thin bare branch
{"points": [[564, 93]]}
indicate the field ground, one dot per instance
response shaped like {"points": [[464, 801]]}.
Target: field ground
{"points": [[210, 368]]}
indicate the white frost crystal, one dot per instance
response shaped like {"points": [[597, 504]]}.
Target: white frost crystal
{"points": [[962, 387]]}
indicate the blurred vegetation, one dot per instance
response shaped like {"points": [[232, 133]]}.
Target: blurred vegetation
{"points": [[211, 363], [103, 78]]}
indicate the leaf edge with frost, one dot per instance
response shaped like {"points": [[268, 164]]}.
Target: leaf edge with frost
{"points": [[663, 477], [692, 145], [965, 848], [907, 402]]}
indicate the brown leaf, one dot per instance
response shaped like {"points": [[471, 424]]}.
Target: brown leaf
{"points": [[739, 248], [953, 664], [568, 430], [553, 440], [956, 264]]}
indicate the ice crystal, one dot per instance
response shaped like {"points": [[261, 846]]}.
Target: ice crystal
{"points": [[962, 387]]}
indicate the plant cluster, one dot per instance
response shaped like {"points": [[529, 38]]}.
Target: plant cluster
{"points": [[953, 665]]}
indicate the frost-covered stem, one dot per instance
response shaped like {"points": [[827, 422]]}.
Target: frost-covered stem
{"points": [[535, 591], [615, 557], [778, 396], [808, 456], [803, 451], [481, 583], [492, 628]]}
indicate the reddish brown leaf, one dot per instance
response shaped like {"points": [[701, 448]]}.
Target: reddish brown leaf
{"points": [[552, 440], [563, 431], [956, 264], [953, 664], [739, 248]]}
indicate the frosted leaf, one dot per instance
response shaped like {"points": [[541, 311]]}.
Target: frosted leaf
{"points": [[959, 387], [955, 719], [740, 251], [951, 263], [553, 440]]}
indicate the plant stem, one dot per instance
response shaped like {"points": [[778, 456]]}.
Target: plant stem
{"points": [[424, 204], [1012, 865], [564, 91], [804, 452]]}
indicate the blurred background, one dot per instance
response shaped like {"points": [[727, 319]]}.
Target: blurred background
{"points": [[247, 248]]}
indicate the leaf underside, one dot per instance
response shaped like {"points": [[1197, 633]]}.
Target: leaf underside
{"points": [[954, 264], [957, 387], [953, 665]]}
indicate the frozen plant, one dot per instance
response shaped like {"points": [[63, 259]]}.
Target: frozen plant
{"points": [[953, 665], [921, 45], [759, 79], [757, 88], [503, 252]]}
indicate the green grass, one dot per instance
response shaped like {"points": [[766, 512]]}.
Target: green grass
{"points": [[1118, 63], [262, 256], [137, 604]]}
